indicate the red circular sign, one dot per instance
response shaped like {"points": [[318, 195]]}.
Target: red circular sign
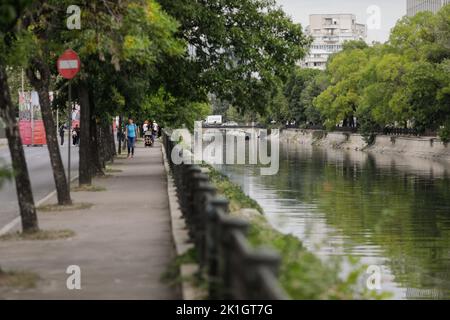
{"points": [[68, 64]]}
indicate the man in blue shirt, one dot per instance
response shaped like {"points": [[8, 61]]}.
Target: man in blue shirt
{"points": [[131, 133]]}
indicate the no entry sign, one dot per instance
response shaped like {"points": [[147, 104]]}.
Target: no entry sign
{"points": [[68, 67], [68, 64]]}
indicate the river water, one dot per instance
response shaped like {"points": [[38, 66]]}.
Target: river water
{"points": [[392, 212]]}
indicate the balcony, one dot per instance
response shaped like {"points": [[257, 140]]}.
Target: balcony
{"points": [[330, 38], [330, 26]]}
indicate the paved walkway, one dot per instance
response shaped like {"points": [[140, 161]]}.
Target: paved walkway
{"points": [[123, 244]]}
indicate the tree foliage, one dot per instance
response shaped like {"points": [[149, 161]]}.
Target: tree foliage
{"points": [[403, 83], [238, 50]]}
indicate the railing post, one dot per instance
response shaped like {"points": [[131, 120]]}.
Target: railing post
{"points": [[234, 269], [228, 226], [217, 207], [203, 193], [256, 260], [187, 190]]}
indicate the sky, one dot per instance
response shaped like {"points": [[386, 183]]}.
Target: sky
{"points": [[366, 11]]}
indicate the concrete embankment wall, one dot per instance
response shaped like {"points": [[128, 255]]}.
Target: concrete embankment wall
{"points": [[424, 147]]}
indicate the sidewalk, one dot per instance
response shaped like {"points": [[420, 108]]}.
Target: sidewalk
{"points": [[123, 244]]}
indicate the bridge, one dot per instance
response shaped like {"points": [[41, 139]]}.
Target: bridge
{"points": [[239, 130]]}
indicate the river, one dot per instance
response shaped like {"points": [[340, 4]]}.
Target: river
{"points": [[389, 211]]}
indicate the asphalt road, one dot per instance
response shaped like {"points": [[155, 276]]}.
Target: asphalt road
{"points": [[41, 178]]}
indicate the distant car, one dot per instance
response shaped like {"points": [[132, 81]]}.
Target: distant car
{"points": [[230, 124], [214, 120]]}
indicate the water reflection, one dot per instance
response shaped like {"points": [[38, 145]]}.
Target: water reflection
{"points": [[389, 211]]}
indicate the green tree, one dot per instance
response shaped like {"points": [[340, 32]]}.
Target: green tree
{"points": [[411, 35], [339, 102], [41, 19], [382, 90], [120, 46], [401, 83], [238, 49], [278, 107], [14, 42], [424, 82], [294, 87], [354, 44], [164, 107], [313, 88]]}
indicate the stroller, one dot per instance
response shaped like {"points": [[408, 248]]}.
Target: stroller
{"points": [[148, 138]]}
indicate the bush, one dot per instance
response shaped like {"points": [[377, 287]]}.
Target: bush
{"points": [[444, 133], [368, 129]]}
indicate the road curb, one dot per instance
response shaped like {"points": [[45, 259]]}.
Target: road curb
{"points": [[8, 227], [181, 237]]}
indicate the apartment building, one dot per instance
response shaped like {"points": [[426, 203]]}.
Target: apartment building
{"points": [[329, 32], [415, 6]]}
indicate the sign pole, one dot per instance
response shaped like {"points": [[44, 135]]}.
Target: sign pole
{"points": [[68, 67], [32, 121], [69, 135]]}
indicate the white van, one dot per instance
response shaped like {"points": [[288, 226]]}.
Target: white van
{"points": [[212, 120]]}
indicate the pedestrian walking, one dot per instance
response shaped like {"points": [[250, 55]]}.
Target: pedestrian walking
{"points": [[145, 127], [74, 137], [155, 130], [78, 131], [61, 133], [132, 133]]}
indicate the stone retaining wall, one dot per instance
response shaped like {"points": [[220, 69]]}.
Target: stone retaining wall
{"points": [[424, 147]]}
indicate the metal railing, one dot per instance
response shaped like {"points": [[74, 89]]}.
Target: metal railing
{"points": [[407, 132], [388, 131], [233, 268], [225, 126]]}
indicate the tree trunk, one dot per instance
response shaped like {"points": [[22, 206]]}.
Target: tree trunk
{"points": [[96, 166], [85, 177], [109, 141], [103, 155], [22, 178], [42, 87], [112, 142], [105, 151]]}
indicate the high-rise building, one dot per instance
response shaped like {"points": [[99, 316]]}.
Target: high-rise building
{"points": [[329, 32], [415, 6]]}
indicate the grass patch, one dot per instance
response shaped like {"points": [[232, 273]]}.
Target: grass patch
{"points": [[302, 274], [88, 188], [39, 235], [18, 279], [172, 276], [58, 208], [238, 199]]}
